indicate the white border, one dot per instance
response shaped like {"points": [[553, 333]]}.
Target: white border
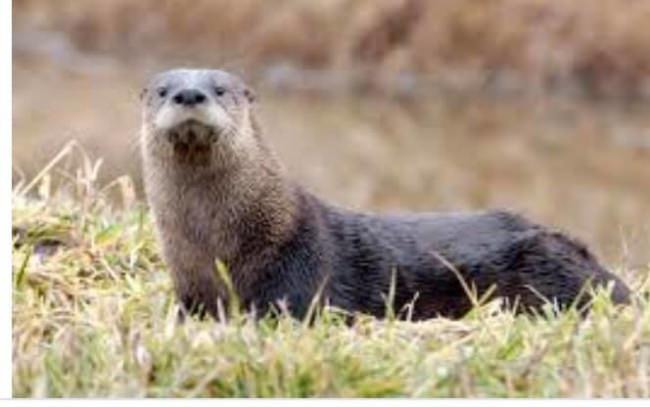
{"points": [[5, 202]]}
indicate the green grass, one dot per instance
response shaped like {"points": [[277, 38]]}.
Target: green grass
{"points": [[94, 315]]}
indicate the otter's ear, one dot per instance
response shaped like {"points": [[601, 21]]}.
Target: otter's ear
{"points": [[250, 95], [143, 93]]}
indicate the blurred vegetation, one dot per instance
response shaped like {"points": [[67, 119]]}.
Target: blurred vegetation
{"points": [[590, 47]]}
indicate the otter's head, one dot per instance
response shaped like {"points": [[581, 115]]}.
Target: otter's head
{"points": [[196, 116]]}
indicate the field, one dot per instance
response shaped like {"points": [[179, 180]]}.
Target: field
{"points": [[540, 107]]}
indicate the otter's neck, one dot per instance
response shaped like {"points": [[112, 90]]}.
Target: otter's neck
{"points": [[236, 206]]}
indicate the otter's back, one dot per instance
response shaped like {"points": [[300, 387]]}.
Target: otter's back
{"points": [[404, 238]]}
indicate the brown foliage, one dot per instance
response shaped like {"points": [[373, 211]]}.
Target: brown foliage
{"points": [[599, 46]]}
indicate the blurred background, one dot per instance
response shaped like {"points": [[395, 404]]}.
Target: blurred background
{"points": [[538, 106]]}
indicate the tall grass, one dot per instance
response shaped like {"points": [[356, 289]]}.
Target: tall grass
{"points": [[94, 315]]}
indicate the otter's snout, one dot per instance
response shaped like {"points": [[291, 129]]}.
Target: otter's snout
{"points": [[194, 107], [189, 97]]}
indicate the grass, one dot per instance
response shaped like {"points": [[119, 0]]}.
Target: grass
{"points": [[94, 315]]}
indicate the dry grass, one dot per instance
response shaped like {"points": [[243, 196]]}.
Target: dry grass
{"points": [[594, 46], [94, 315]]}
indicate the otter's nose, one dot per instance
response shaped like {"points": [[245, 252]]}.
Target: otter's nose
{"points": [[189, 97]]}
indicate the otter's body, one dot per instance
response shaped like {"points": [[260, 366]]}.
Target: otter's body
{"points": [[218, 193]]}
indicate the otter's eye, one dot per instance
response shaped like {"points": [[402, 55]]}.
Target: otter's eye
{"points": [[162, 92], [219, 91]]}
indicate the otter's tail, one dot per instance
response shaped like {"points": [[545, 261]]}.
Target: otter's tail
{"points": [[561, 269]]}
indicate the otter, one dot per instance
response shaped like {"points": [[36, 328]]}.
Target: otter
{"points": [[219, 193]]}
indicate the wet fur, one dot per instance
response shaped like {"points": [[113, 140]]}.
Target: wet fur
{"points": [[282, 245]]}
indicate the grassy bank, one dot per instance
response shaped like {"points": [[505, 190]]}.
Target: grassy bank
{"points": [[94, 315]]}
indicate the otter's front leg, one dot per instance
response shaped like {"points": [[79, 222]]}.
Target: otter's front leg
{"points": [[197, 288]]}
